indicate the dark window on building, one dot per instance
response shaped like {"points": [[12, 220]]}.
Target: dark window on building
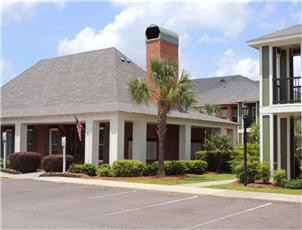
{"points": [[235, 114], [30, 140]]}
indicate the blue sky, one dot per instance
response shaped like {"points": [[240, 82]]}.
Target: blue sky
{"points": [[212, 34]]}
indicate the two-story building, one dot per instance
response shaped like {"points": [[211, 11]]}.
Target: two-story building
{"points": [[230, 94], [280, 98]]}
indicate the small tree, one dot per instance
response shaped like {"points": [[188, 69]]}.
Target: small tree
{"points": [[221, 147], [253, 136], [167, 92], [209, 109]]}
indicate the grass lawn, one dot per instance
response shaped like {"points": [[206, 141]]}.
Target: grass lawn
{"points": [[261, 188], [179, 180]]}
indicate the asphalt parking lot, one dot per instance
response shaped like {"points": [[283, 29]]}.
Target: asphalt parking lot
{"points": [[40, 205]]}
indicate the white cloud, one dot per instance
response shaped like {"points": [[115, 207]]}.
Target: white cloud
{"points": [[232, 64], [209, 39], [16, 11], [126, 31], [7, 73]]}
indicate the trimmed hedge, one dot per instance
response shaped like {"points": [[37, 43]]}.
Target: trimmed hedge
{"points": [[54, 162], [88, 169], [25, 162], [194, 166], [150, 169], [174, 168], [104, 170], [127, 168], [292, 184]]}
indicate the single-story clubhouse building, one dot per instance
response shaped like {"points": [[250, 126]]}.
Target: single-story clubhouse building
{"points": [[39, 107]]}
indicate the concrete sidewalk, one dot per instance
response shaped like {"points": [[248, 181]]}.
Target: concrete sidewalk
{"points": [[209, 183], [166, 188]]}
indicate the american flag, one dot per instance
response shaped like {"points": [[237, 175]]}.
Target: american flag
{"points": [[80, 128]]}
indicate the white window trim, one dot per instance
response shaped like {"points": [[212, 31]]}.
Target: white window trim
{"points": [[49, 140]]}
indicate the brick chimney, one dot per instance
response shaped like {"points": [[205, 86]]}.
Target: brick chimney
{"points": [[161, 44]]}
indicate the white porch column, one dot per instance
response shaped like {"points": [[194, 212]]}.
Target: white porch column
{"points": [[20, 137], [92, 142], [185, 142], [139, 150], [117, 133]]}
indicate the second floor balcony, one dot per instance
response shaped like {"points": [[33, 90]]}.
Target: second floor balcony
{"points": [[287, 90]]}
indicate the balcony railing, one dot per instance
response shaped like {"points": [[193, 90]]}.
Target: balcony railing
{"points": [[287, 90]]}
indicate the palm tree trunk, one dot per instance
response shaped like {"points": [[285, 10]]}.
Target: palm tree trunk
{"points": [[161, 131]]}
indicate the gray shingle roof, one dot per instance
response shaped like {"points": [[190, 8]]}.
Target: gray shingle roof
{"points": [[292, 30], [88, 82], [226, 89], [80, 82]]}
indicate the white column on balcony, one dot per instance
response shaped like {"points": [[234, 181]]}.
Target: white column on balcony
{"points": [[288, 73], [185, 142], [20, 137], [139, 141], [271, 56], [92, 142], [116, 139]]}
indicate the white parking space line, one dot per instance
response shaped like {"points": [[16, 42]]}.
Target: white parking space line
{"points": [[228, 216], [140, 208], [74, 200]]}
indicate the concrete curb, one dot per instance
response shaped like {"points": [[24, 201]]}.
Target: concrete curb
{"points": [[167, 188], [178, 189]]}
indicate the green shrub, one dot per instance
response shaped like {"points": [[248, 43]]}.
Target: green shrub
{"points": [[127, 168], [88, 169], [54, 162], [218, 153], [150, 169], [253, 161], [279, 176], [292, 184], [251, 172], [264, 172], [104, 170], [174, 168], [25, 162], [194, 166], [209, 159]]}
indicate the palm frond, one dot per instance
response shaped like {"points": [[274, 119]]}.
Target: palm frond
{"points": [[139, 90], [163, 72]]}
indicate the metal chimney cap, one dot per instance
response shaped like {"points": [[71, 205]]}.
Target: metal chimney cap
{"points": [[155, 32]]}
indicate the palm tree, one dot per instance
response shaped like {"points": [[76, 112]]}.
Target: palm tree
{"points": [[209, 109], [167, 92], [253, 136]]}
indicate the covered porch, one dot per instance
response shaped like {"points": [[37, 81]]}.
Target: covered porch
{"points": [[110, 137]]}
